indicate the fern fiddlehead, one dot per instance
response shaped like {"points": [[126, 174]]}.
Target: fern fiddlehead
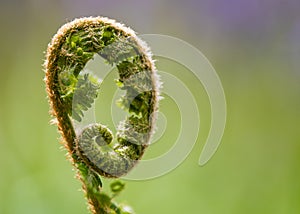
{"points": [[71, 93]]}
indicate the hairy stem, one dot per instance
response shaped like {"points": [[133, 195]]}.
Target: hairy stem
{"points": [[71, 93]]}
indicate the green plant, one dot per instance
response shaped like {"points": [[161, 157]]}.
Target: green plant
{"points": [[71, 93]]}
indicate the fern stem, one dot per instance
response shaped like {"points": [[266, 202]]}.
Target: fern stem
{"points": [[71, 93]]}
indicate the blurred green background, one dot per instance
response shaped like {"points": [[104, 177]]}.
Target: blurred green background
{"points": [[255, 49]]}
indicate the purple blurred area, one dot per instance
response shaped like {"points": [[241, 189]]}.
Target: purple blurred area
{"points": [[223, 30]]}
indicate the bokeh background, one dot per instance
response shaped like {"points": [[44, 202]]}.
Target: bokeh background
{"points": [[255, 49]]}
